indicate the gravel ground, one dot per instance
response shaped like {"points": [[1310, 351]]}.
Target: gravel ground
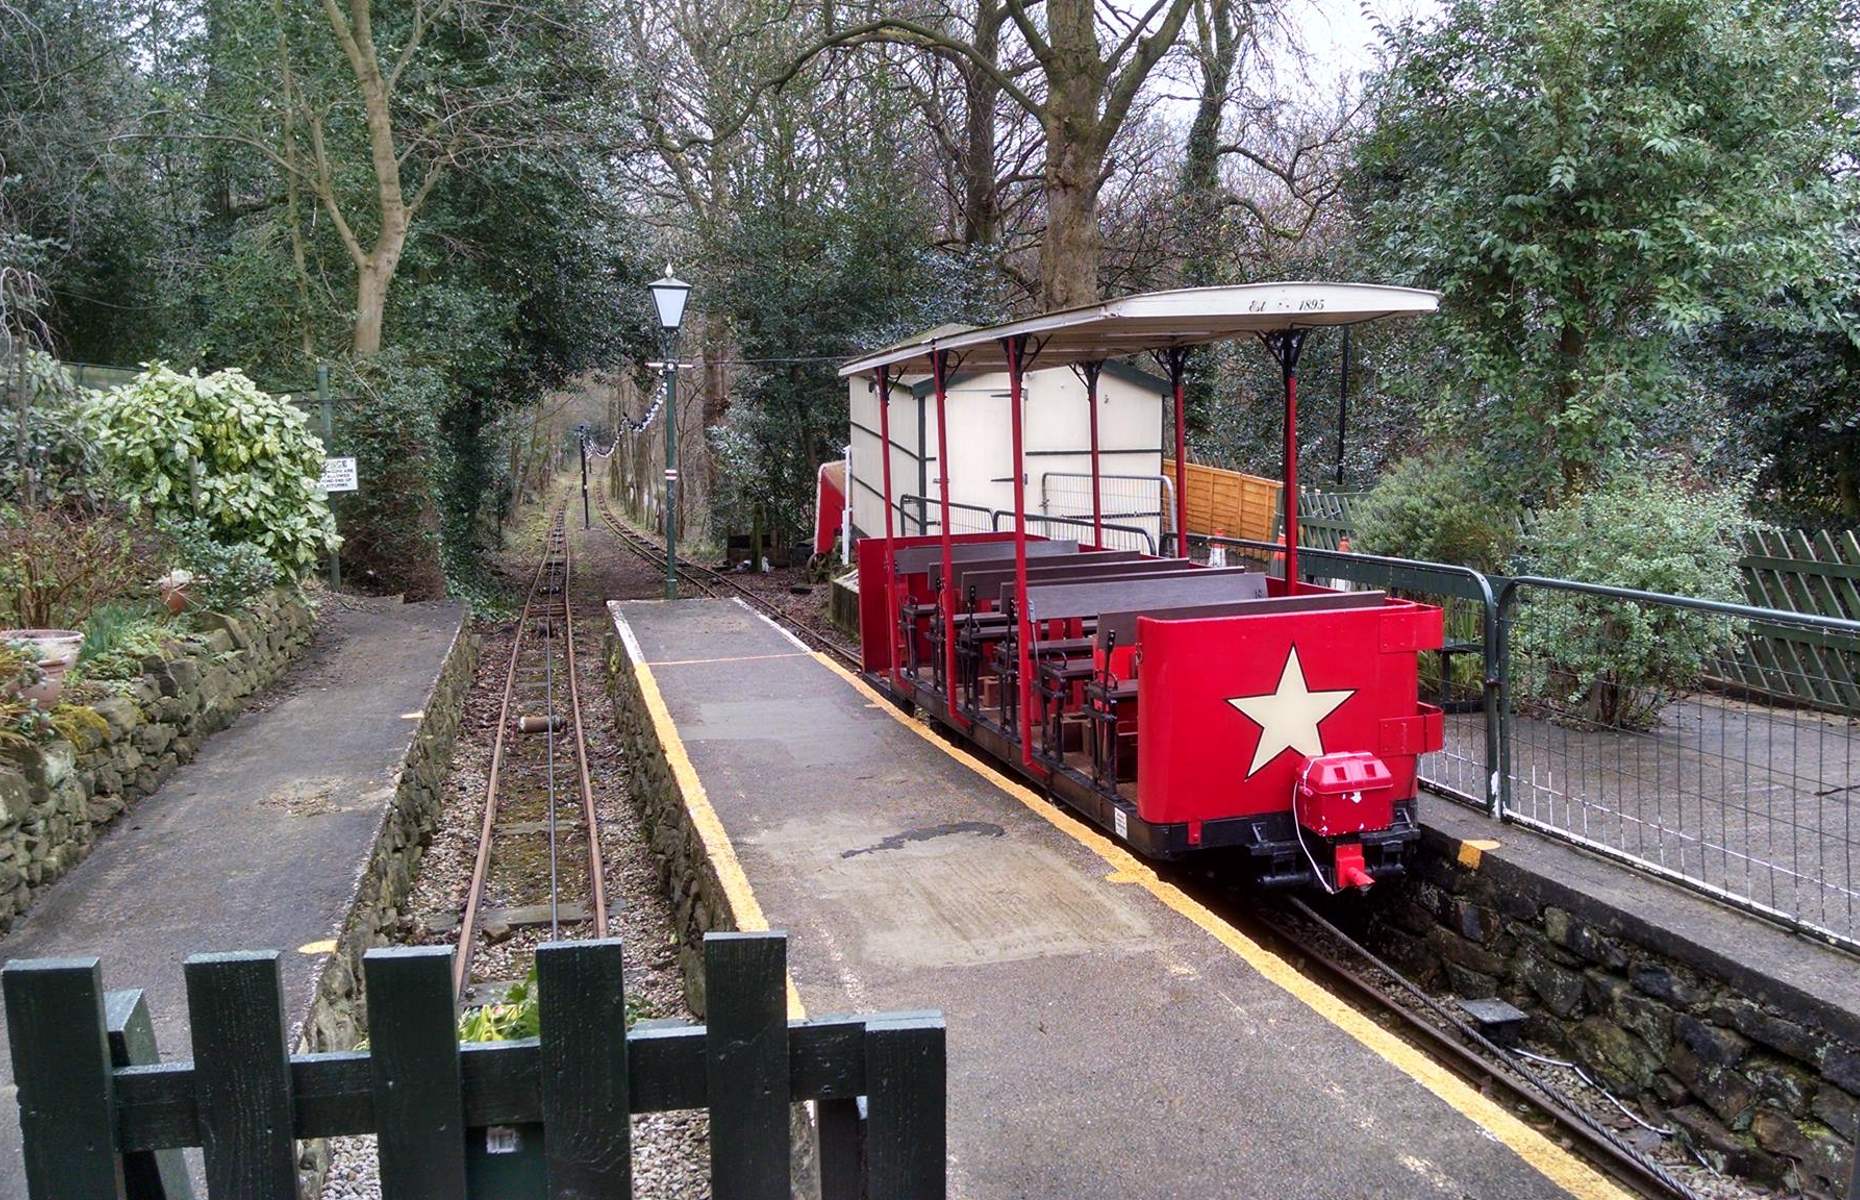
{"points": [[670, 1150]]}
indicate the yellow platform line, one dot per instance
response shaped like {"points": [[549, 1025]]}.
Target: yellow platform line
{"points": [[745, 909], [1556, 1164]]}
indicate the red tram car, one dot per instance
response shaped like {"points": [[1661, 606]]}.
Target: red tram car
{"points": [[1185, 708]]}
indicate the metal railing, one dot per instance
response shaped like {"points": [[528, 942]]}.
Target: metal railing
{"points": [[1596, 714], [1613, 740], [1122, 497], [1116, 537], [923, 515]]}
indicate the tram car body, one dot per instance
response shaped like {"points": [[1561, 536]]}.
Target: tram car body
{"points": [[1188, 709]]}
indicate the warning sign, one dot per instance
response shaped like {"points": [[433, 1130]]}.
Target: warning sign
{"points": [[339, 475]]}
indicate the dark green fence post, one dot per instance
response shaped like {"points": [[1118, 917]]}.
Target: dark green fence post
{"points": [[147, 1174], [746, 1064], [242, 1074], [414, 1052], [586, 1121], [329, 442], [61, 1070], [907, 1122]]}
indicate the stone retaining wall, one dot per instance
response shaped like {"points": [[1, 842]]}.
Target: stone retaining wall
{"points": [[700, 904], [55, 799], [1757, 1082], [337, 1014]]}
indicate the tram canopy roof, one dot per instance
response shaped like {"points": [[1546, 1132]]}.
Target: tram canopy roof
{"points": [[1153, 321]]}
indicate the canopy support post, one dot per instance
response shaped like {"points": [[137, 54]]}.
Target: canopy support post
{"points": [[939, 374], [1089, 372], [1016, 349], [891, 580], [1177, 359], [1286, 345]]}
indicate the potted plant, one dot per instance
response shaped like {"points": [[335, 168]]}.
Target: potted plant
{"points": [[174, 590], [49, 654]]}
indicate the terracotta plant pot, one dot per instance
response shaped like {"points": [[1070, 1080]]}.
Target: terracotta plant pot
{"points": [[58, 651], [173, 588]]}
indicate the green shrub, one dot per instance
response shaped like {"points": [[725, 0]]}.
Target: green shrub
{"points": [[1433, 508], [117, 637], [1597, 661], [224, 576], [216, 447], [60, 449]]}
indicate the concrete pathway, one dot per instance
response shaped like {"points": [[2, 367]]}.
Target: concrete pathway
{"points": [[1108, 1037], [256, 844]]}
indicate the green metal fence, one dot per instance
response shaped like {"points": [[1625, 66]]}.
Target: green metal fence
{"points": [[542, 1117]]}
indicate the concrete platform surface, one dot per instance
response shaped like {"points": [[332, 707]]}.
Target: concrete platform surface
{"points": [[257, 844], [1108, 1037]]}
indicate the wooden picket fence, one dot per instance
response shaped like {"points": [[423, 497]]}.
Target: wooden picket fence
{"points": [[546, 1117], [1796, 571]]}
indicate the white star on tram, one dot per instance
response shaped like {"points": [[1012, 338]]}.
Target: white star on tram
{"points": [[1288, 716]]}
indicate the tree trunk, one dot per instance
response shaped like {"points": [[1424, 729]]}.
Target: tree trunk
{"points": [[371, 288], [981, 212], [1069, 253], [1075, 149]]}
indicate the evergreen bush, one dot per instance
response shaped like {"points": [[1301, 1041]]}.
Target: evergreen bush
{"points": [[1593, 660], [215, 447]]}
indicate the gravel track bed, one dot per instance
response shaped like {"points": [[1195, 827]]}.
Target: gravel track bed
{"points": [[670, 1150]]}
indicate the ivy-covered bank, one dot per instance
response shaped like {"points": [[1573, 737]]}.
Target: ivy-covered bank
{"points": [[55, 798]]}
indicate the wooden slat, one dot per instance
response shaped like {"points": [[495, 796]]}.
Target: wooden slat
{"points": [[61, 1074], [414, 1053], [907, 1118], [746, 1064], [147, 1175], [586, 1122], [502, 1083], [842, 1150], [242, 1074]]}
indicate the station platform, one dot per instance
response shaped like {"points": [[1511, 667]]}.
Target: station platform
{"points": [[260, 843], [1108, 1035]]}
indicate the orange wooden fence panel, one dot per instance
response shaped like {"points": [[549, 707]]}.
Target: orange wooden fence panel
{"points": [[1228, 503]]}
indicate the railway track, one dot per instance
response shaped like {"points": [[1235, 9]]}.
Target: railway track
{"points": [[538, 861], [1327, 953], [718, 583], [1338, 960]]}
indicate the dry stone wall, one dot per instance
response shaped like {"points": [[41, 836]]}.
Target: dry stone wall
{"points": [[1760, 1080], [56, 799]]}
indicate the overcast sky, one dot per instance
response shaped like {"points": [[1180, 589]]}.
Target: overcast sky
{"points": [[1338, 33]]}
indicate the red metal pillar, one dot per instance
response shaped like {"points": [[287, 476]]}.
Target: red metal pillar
{"points": [[891, 580], [1286, 345], [939, 374], [1178, 359], [1016, 348], [1091, 371]]}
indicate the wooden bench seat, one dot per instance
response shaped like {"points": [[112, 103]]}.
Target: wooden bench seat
{"points": [[912, 560]]}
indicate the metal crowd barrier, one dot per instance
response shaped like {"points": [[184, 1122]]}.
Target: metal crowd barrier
{"points": [[1597, 715]]}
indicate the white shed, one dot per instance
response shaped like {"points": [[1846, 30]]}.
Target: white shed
{"points": [[1058, 453]]}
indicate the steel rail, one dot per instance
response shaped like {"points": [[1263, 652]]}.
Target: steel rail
{"points": [[714, 582], [1473, 1056], [556, 553], [597, 891]]}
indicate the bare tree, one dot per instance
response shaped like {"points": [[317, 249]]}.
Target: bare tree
{"points": [[1091, 65]]}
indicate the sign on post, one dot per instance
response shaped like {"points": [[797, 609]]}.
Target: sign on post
{"points": [[339, 475]]}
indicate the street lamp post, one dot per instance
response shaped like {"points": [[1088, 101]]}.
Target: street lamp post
{"points": [[668, 296]]}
